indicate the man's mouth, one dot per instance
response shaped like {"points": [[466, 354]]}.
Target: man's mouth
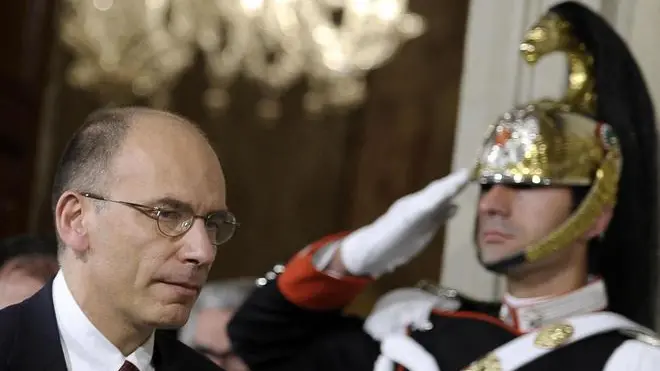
{"points": [[495, 236], [184, 288]]}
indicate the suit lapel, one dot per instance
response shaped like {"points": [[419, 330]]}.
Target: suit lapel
{"points": [[163, 355], [38, 345]]}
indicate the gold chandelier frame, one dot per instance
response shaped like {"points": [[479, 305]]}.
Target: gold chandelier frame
{"points": [[129, 49]]}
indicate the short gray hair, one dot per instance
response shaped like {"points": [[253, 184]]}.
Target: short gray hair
{"points": [[228, 294]]}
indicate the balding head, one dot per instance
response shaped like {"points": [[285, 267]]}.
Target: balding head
{"points": [[86, 160], [139, 203], [165, 151]]}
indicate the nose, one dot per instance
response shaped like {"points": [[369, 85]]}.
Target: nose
{"points": [[197, 248], [496, 201]]}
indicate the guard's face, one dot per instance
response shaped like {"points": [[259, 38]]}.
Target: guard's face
{"points": [[510, 219]]}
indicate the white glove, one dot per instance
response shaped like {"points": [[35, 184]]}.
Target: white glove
{"points": [[405, 351], [404, 230]]}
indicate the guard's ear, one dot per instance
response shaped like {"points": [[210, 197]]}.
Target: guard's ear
{"points": [[600, 225]]}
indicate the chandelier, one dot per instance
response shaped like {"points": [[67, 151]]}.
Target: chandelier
{"points": [[129, 49]]}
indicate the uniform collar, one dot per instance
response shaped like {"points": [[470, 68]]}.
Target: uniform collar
{"points": [[529, 314]]}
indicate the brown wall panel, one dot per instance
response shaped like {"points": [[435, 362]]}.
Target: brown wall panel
{"points": [[26, 32]]}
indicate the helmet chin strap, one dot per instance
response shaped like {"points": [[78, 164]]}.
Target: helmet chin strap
{"points": [[503, 266]]}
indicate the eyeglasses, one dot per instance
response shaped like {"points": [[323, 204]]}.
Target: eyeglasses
{"points": [[175, 222]]}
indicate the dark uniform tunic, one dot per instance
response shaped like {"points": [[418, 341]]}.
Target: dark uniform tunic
{"points": [[294, 322]]}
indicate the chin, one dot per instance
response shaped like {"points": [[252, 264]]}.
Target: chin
{"points": [[490, 253], [169, 316], [492, 257]]}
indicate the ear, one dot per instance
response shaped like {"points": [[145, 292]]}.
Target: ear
{"points": [[601, 223], [70, 222]]}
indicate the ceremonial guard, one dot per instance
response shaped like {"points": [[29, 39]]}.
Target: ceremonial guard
{"points": [[567, 213]]}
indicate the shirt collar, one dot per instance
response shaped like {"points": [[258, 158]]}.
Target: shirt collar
{"points": [[530, 314], [85, 347]]}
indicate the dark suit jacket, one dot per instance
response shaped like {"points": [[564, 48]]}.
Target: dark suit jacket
{"points": [[30, 340]]}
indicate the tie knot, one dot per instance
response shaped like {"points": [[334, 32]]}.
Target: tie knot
{"points": [[128, 366]]}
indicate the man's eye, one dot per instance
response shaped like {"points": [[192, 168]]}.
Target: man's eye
{"points": [[169, 214]]}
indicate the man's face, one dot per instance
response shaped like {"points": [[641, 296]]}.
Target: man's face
{"points": [[510, 219], [150, 278], [212, 340]]}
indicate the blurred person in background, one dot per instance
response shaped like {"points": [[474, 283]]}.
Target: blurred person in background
{"points": [[25, 244], [22, 276], [26, 264], [206, 330]]}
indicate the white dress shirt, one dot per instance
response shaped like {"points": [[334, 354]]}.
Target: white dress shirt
{"points": [[84, 347]]}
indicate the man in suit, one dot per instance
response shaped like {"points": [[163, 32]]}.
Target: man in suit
{"points": [[139, 206]]}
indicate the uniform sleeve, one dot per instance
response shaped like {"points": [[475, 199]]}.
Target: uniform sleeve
{"points": [[295, 321], [634, 355]]}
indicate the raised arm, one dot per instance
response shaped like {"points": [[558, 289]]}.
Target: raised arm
{"points": [[295, 321]]}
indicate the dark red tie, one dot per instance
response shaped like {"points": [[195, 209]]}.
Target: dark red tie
{"points": [[127, 366]]}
